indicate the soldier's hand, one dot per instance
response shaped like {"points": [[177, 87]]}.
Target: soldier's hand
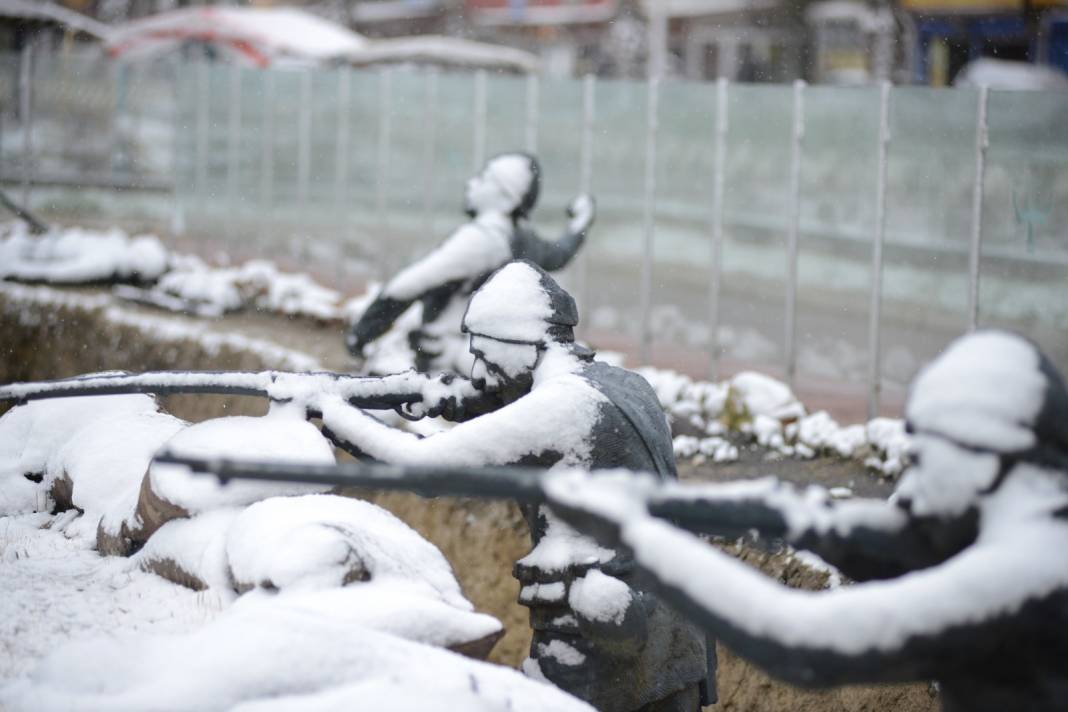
{"points": [[581, 212]]}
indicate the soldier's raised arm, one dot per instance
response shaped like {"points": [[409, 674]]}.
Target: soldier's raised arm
{"points": [[555, 255]]}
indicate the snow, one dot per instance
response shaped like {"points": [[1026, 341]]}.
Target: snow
{"points": [[474, 249], [255, 652], [101, 444], [946, 479], [555, 415], [562, 547], [257, 36], [197, 546], [986, 391], [494, 310], [543, 592], [54, 589], [257, 284], [446, 50], [76, 255], [561, 652], [600, 597], [758, 395], [280, 435], [315, 541]]}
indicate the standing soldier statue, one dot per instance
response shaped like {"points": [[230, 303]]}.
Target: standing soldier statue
{"points": [[499, 201]]}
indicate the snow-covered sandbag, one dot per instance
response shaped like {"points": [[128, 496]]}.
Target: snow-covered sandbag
{"points": [[173, 492], [391, 606], [327, 541], [89, 453], [192, 552], [77, 256], [266, 652], [212, 291]]}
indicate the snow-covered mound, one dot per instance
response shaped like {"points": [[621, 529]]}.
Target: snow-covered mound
{"points": [[78, 256], [752, 407], [172, 492], [285, 657], [194, 287], [325, 541], [88, 453]]}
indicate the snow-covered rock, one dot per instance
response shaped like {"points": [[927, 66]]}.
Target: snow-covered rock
{"points": [[191, 552]]}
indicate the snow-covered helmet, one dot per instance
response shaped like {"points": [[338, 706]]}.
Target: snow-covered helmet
{"points": [[521, 303], [519, 176], [992, 400], [992, 391]]}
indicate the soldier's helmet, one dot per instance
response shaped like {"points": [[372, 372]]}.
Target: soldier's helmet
{"points": [[992, 391], [520, 303], [992, 400]]}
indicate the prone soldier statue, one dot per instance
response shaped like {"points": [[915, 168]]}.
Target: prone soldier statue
{"points": [[599, 631], [964, 571], [499, 201]]}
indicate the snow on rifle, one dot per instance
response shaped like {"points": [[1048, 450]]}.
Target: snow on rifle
{"points": [[372, 393]]}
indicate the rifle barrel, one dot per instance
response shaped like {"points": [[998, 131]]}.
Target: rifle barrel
{"points": [[519, 483]]}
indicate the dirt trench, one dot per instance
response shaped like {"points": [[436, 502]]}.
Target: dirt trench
{"points": [[44, 337]]}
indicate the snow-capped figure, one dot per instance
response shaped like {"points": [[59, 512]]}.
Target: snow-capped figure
{"points": [[972, 550], [498, 200], [598, 632]]}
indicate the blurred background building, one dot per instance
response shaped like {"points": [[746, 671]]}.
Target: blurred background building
{"points": [[823, 41]]}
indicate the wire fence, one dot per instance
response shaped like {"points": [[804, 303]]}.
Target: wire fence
{"points": [[826, 232]]}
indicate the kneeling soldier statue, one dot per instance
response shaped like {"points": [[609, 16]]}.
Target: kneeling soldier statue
{"points": [[599, 632]]}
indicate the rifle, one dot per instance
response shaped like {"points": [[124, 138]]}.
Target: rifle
{"points": [[367, 392], [666, 500]]}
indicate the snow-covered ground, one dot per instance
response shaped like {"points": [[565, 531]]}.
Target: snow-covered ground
{"points": [[261, 594]]}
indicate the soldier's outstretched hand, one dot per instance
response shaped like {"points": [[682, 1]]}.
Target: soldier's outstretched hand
{"points": [[581, 212]]}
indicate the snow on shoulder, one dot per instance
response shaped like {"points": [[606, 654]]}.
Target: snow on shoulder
{"points": [[512, 305], [985, 391]]}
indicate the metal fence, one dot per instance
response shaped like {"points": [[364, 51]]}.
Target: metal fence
{"points": [[829, 233]]}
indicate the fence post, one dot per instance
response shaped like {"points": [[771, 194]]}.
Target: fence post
{"points": [[267, 153], [589, 108], [430, 137], [719, 167], [982, 141], [479, 150], [648, 221], [304, 142], [533, 91], [178, 209], [203, 127], [341, 166], [794, 230], [26, 112], [385, 116], [875, 375], [233, 159]]}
